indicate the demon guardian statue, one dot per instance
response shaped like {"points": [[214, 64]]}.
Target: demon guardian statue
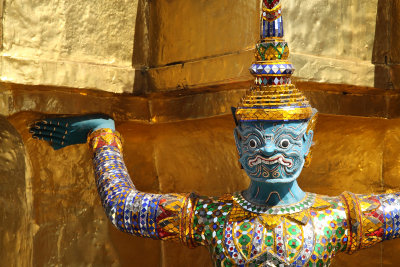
{"points": [[273, 222]]}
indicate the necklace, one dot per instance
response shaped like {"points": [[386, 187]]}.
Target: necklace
{"points": [[303, 204]]}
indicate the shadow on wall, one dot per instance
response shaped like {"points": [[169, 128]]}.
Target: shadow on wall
{"points": [[140, 56], [386, 52]]}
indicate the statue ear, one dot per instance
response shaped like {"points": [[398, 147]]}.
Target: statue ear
{"points": [[308, 140], [238, 140], [308, 137]]}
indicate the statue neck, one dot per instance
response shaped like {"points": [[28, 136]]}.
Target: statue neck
{"points": [[271, 194]]}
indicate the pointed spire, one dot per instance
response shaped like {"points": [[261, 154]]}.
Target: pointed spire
{"points": [[273, 98]]}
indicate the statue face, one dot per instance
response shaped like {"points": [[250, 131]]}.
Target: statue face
{"points": [[273, 152]]}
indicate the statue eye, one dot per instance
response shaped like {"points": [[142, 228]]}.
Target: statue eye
{"points": [[284, 143], [253, 143]]}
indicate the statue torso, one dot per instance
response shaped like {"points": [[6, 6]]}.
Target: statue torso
{"points": [[305, 234]]}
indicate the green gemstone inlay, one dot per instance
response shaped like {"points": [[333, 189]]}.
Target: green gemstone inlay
{"points": [[220, 234], [227, 263], [208, 234], [340, 232], [328, 232], [319, 249], [294, 230], [293, 243], [226, 208], [320, 263], [245, 226], [244, 240], [269, 241]]}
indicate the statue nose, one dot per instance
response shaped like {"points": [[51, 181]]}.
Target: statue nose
{"points": [[268, 149]]}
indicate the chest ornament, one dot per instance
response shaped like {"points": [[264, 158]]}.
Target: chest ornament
{"points": [[279, 235]]}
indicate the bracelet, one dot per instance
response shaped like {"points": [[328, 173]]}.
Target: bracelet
{"points": [[104, 137]]}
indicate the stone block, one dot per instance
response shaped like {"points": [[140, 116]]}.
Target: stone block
{"points": [[98, 32], [223, 69], [184, 31], [79, 44], [332, 41]]}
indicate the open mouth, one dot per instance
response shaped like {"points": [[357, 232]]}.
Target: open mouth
{"points": [[270, 161]]}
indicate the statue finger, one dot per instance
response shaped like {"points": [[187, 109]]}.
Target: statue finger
{"points": [[55, 122], [47, 127], [44, 126], [40, 132]]}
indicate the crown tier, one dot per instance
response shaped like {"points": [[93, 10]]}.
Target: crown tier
{"points": [[273, 98]]}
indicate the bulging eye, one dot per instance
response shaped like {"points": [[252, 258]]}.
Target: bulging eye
{"points": [[253, 143], [284, 143]]}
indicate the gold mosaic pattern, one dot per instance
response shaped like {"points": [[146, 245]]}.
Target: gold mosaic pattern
{"points": [[272, 51], [364, 226], [271, 103], [103, 137]]}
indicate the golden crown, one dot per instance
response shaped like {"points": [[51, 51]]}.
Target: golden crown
{"points": [[273, 98]]}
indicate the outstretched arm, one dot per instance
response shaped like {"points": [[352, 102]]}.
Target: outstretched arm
{"points": [[156, 216]]}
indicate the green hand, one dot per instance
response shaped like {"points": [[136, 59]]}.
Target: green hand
{"points": [[66, 131]]}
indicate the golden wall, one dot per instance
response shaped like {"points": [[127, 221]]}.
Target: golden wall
{"points": [[168, 72], [123, 46]]}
